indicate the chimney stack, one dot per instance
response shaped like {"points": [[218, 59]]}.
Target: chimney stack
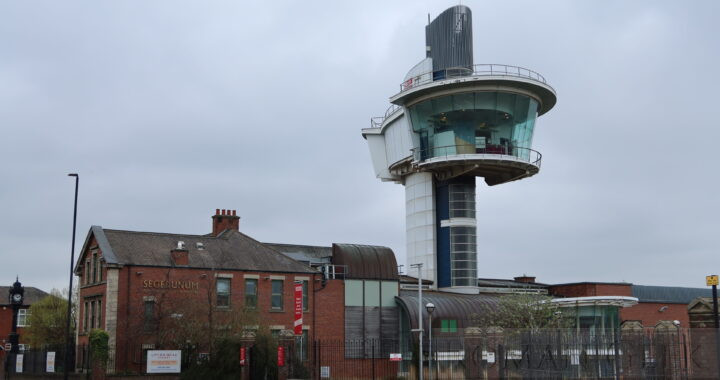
{"points": [[179, 255], [225, 220]]}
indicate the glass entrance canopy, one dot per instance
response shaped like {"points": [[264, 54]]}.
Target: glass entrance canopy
{"points": [[480, 122]]}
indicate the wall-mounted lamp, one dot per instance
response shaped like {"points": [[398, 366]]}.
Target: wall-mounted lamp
{"points": [[663, 309], [138, 273], [203, 275]]}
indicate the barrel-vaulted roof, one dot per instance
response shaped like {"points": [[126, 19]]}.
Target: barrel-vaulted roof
{"points": [[368, 262], [460, 307], [229, 250]]}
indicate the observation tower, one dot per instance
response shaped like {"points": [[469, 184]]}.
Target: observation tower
{"points": [[451, 121]]}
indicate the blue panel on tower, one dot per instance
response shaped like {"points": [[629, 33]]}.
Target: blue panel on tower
{"points": [[442, 212]]}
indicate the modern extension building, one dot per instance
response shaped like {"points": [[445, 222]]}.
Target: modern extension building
{"points": [[452, 121]]}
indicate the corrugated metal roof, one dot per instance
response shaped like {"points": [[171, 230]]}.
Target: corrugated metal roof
{"points": [[229, 250], [500, 283], [668, 294], [461, 307], [366, 261], [309, 253]]}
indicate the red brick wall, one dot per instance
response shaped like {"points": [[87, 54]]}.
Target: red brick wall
{"points": [[6, 324], [591, 289], [131, 302], [649, 313], [330, 314]]}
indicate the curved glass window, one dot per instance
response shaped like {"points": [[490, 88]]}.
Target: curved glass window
{"points": [[487, 122], [463, 256]]}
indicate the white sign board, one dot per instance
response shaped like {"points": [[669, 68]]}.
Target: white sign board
{"points": [[8, 346], [325, 372], [395, 357], [163, 361], [491, 357], [19, 363], [50, 362]]}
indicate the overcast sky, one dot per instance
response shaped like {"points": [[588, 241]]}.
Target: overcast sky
{"points": [[171, 109]]}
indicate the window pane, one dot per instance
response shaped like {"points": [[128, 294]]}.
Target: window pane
{"points": [[305, 296], [251, 293], [276, 299], [223, 291]]}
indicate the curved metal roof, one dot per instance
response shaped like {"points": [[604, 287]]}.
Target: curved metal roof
{"points": [[367, 262], [460, 307]]}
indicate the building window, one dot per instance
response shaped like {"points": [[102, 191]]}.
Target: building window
{"points": [[99, 314], [448, 325], [100, 268], [23, 319], [87, 272], [305, 301], [463, 256], [149, 314], [92, 314], [251, 293], [86, 314], [301, 346], [222, 290], [462, 200], [276, 297], [94, 267]]}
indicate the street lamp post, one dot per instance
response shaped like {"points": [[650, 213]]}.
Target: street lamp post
{"points": [[420, 324], [72, 261], [430, 307]]}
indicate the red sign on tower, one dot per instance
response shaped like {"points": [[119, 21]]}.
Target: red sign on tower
{"points": [[242, 356], [281, 356], [298, 307]]}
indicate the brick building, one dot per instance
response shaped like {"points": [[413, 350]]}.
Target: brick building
{"points": [[169, 291], [148, 290]]}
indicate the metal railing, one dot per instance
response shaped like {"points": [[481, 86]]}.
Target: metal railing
{"points": [[485, 69], [377, 122], [518, 153]]}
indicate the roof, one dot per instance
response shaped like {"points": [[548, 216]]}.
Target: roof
{"points": [[31, 295], [305, 253], [501, 283], [366, 261], [668, 294], [405, 279], [460, 307], [229, 250], [591, 283]]}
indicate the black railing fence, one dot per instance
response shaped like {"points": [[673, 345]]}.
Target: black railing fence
{"points": [[523, 354]]}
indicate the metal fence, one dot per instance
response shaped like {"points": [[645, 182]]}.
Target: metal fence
{"points": [[522, 354]]}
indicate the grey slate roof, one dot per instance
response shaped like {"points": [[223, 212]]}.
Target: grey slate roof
{"points": [[31, 295], [229, 250], [668, 294]]}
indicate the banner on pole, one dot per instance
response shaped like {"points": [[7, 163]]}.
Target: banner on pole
{"points": [[298, 308]]}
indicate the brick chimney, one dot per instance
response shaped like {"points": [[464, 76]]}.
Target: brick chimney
{"points": [[225, 220], [179, 254], [526, 279]]}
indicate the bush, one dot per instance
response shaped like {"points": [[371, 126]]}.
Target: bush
{"points": [[99, 347]]}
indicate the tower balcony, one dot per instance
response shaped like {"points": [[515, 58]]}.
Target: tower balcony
{"points": [[496, 163]]}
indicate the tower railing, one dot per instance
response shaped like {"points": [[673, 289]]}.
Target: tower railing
{"points": [[377, 122], [515, 153], [485, 69]]}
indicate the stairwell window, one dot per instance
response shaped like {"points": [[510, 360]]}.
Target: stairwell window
{"points": [[23, 318]]}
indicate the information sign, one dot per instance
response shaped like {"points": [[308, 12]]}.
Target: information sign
{"points": [[281, 356], [19, 363], [242, 356], [712, 280], [50, 362], [395, 357], [163, 361]]}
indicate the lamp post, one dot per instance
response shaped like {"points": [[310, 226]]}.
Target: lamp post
{"points": [[430, 307], [420, 325], [72, 261]]}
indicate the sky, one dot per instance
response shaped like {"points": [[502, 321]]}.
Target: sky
{"points": [[171, 109]]}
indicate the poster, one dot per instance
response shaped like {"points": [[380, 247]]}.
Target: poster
{"points": [[19, 363], [163, 361], [50, 362]]}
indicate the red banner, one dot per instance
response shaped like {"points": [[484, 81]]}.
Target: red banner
{"points": [[281, 356], [298, 308], [242, 356]]}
